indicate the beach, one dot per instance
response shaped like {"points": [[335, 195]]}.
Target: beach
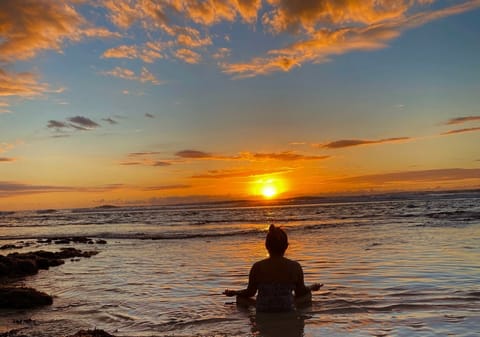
{"points": [[405, 266]]}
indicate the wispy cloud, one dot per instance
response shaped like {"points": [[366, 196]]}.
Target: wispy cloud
{"points": [[21, 85], [338, 144], [8, 188], [145, 53], [149, 115], [434, 175], [146, 162], [110, 120], [461, 120], [452, 132], [281, 156], [370, 26], [4, 107], [193, 154], [145, 75], [249, 156], [7, 160], [166, 187], [240, 173], [188, 56], [80, 123]]}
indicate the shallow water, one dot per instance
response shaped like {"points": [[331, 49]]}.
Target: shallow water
{"points": [[391, 268]]}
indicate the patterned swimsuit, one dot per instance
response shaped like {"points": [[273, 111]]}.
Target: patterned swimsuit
{"points": [[275, 297]]}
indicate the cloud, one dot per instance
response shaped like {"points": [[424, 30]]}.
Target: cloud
{"points": [[78, 123], [7, 160], [292, 15], [11, 188], [146, 162], [434, 175], [141, 154], [146, 54], [165, 187], [452, 132], [110, 120], [20, 84], [222, 53], [188, 56], [144, 77], [239, 173], [460, 120], [149, 115], [193, 154], [53, 124], [30, 26], [282, 156], [191, 38], [83, 123], [4, 147], [8, 188], [357, 142], [352, 26], [4, 107]]}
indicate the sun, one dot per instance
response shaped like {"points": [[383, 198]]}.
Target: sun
{"points": [[269, 191], [268, 188]]}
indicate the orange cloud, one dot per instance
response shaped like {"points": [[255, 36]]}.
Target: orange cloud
{"points": [[434, 175], [21, 84], [282, 156], [4, 147], [30, 26], [373, 30], [338, 144], [165, 187], [249, 156], [146, 54], [452, 132], [460, 120], [190, 37], [7, 160], [239, 173], [188, 56], [127, 74]]}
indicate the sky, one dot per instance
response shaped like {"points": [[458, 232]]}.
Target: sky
{"points": [[147, 102]]}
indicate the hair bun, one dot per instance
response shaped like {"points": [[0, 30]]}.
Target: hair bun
{"points": [[272, 228]]}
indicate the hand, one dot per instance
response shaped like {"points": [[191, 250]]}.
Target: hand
{"points": [[315, 286], [229, 292]]}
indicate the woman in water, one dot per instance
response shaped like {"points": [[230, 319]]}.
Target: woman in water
{"points": [[276, 278]]}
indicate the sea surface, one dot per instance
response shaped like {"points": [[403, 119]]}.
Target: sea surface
{"points": [[391, 266]]}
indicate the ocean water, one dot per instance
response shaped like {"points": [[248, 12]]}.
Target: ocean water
{"points": [[391, 267]]}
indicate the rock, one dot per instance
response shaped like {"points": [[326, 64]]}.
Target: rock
{"points": [[92, 333], [24, 264], [10, 246], [23, 298], [101, 242]]}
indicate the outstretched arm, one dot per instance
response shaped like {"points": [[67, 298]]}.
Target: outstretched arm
{"points": [[251, 289]]}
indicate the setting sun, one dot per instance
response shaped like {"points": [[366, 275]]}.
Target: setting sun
{"points": [[268, 187], [269, 191]]}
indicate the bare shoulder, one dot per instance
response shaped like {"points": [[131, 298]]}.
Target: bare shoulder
{"points": [[294, 264]]}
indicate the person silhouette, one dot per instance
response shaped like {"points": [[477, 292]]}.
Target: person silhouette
{"points": [[278, 280]]}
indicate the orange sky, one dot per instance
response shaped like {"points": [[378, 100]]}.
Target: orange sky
{"points": [[141, 102]]}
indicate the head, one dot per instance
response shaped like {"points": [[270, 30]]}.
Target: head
{"points": [[276, 241]]}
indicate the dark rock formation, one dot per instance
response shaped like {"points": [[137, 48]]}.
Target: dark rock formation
{"points": [[24, 264], [23, 298], [92, 333]]}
